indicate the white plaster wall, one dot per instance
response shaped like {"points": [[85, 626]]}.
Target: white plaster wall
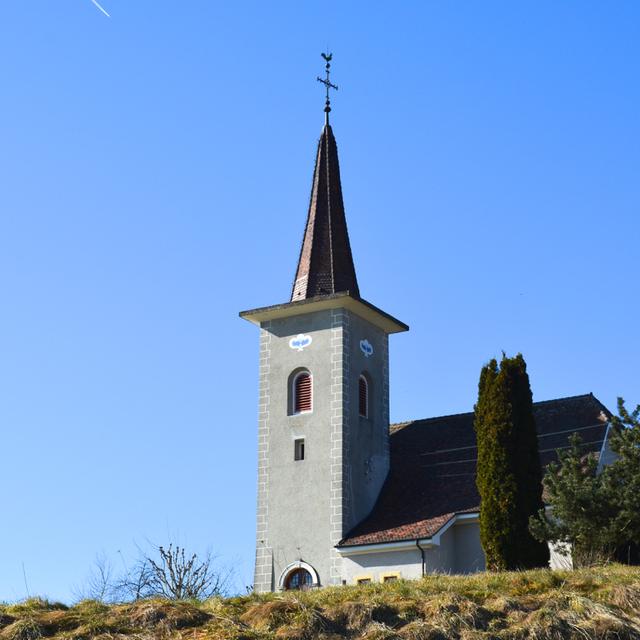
{"points": [[441, 558], [459, 552], [407, 563], [469, 556]]}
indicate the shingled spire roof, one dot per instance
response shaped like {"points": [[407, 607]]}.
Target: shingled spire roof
{"points": [[326, 264]]}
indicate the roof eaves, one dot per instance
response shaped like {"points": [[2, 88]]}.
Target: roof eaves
{"points": [[452, 519], [343, 299]]}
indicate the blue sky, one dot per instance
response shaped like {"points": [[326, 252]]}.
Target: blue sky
{"points": [[155, 173]]}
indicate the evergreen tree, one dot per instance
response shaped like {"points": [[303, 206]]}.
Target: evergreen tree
{"points": [[595, 509], [622, 477], [527, 466], [582, 508], [494, 476], [508, 471]]}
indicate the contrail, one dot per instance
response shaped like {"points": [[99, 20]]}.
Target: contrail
{"points": [[101, 8]]}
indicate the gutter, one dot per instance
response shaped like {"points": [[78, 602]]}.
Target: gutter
{"points": [[380, 547]]}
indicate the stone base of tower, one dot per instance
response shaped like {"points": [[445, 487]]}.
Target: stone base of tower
{"points": [[263, 574], [311, 496]]}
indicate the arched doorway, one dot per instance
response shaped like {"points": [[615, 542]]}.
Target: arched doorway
{"points": [[298, 580], [298, 576]]}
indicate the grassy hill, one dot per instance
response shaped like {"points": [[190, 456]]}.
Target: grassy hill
{"points": [[599, 603]]}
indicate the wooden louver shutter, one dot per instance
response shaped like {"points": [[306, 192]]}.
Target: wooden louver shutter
{"points": [[303, 393], [363, 397]]}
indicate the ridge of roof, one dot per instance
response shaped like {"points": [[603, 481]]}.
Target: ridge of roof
{"points": [[397, 426]]}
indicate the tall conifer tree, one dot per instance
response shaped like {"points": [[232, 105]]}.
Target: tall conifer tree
{"points": [[509, 477]]}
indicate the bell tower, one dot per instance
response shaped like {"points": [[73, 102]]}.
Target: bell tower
{"points": [[323, 409]]}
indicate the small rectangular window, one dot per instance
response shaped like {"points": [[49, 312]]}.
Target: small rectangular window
{"points": [[390, 579], [364, 581], [298, 449]]}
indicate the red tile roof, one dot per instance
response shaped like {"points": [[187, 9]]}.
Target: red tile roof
{"points": [[433, 464]]}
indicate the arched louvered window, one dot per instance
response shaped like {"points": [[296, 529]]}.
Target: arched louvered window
{"points": [[363, 397], [302, 393]]}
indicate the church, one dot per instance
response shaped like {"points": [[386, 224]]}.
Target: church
{"points": [[344, 497]]}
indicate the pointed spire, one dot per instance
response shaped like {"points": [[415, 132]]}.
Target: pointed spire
{"points": [[326, 264]]}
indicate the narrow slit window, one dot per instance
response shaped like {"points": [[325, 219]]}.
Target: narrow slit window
{"points": [[302, 393], [363, 397], [298, 449]]}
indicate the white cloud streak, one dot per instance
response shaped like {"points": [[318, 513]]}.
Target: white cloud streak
{"points": [[97, 4]]}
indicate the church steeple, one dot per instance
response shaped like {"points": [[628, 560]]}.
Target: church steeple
{"points": [[325, 265], [323, 421]]}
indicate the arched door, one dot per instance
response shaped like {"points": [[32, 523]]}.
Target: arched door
{"points": [[298, 580]]}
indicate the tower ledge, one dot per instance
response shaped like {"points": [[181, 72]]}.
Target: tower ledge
{"points": [[342, 300]]}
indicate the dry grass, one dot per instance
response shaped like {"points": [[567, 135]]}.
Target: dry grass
{"points": [[602, 603]]}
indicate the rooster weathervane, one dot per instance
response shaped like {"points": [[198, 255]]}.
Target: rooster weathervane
{"points": [[328, 85]]}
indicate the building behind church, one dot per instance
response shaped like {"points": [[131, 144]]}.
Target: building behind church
{"points": [[343, 496]]}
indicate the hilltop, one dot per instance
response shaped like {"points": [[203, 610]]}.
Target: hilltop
{"points": [[597, 603]]}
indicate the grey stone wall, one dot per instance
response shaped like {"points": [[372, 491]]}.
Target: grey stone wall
{"points": [[367, 447], [305, 507]]}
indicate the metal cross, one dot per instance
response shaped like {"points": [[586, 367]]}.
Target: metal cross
{"points": [[325, 81]]}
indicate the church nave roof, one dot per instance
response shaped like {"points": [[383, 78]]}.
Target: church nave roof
{"points": [[433, 467]]}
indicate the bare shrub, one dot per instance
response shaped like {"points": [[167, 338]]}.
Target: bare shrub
{"points": [[165, 572], [179, 576], [134, 583]]}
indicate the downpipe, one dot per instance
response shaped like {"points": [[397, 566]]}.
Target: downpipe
{"points": [[424, 564]]}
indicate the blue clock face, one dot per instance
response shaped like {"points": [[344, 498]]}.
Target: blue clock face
{"points": [[366, 347], [300, 341]]}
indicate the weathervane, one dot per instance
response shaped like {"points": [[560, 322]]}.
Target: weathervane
{"points": [[325, 81]]}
